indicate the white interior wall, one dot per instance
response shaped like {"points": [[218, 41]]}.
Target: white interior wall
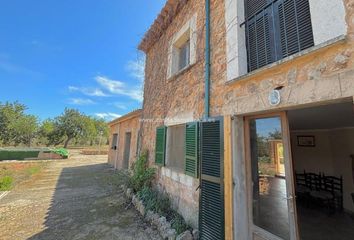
{"points": [[331, 155]]}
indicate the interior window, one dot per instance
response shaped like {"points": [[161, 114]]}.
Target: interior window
{"points": [[175, 147]]}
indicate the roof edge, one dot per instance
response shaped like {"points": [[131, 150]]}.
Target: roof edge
{"points": [[161, 23], [127, 116]]}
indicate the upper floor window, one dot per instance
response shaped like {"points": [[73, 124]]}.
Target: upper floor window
{"points": [[276, 29], [182, 51], [184, 55]]}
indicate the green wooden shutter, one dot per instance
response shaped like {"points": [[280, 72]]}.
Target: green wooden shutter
{"points": [[211, 215], [191, 149], [160, 146]]}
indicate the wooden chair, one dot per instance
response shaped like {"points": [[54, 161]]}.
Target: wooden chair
{"points": [[321, 192], [301, 186], [334, 185]]}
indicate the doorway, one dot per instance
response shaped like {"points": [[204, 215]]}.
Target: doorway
{"points": [[271, 203], [126, 155], [322, 142]]}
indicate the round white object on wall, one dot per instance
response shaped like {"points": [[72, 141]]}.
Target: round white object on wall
{"points": [[274, 97]]}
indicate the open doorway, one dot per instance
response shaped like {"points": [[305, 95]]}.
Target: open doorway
{"points": [[322, 144]]}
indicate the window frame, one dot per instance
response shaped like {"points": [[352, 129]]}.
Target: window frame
{"points": [[167, 152], [270, 12], [186, 33], [184, 55]]}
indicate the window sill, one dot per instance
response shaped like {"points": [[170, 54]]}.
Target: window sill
{"points": [[340, 39], [179, 177], [181, 72]]}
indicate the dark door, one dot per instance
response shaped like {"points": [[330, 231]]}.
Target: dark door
{"points": [[126, 156], [211, 216]]}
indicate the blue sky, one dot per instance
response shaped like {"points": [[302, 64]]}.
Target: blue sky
{"points": [[79, 54]]}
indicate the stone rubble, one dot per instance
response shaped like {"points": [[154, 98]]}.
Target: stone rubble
{"points": [[160, 222]]}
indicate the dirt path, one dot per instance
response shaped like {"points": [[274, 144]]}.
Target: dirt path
{"points": [[71, 199]]}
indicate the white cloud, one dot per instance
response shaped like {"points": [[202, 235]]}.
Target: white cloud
{"points": [[137, 68], [80, 101], [119, 88], [93, 92], [120, 105], [108, 116]]}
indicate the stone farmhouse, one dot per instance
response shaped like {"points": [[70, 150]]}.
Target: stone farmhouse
{"points": [[248, 116]]}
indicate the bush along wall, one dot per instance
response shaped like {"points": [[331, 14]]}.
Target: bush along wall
{"points": [[155, 206]]}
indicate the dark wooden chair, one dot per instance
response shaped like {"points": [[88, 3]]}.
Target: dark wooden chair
{"points": [[321, 193], [334, 185], [301, 185]]}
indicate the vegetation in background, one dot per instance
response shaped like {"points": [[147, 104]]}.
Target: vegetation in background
{"points": [[18, 128], [17, 154], [62, 152], [142, 174]]}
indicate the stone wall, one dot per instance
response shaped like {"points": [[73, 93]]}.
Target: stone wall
{"points": [[322, 75], [179, 98], [315, 77]]}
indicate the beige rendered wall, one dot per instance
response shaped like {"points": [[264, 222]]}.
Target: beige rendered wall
{"points": [[331, 156], [131, 125], [112, 154]]}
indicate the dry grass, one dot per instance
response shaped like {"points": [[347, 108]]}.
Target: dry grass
{"points": [[13, 173]]}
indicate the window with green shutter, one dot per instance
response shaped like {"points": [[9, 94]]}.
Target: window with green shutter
{"points": [[160, 146], [192, 149]]}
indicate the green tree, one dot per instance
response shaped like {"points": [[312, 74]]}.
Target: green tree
{"points": [[102, 129], [25, 129], [46, 129], [69, 125], [9, 114], [90, 131]]}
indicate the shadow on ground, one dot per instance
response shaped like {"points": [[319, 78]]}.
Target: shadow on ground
{"points": [[89, 204]]}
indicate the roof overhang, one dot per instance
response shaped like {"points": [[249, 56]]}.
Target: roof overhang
{"points": [[133, 114], [161, 23]]}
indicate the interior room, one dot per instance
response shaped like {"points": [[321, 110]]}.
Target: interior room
{"points": [[322, 155], [322, 145]]}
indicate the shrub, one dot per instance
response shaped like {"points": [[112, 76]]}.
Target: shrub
{"points": [[62, 152], [179, 224], [155, 201], [5, 183], [142, 175], [160, 203]]}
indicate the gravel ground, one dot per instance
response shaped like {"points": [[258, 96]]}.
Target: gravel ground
{"points": [[78, 198]]}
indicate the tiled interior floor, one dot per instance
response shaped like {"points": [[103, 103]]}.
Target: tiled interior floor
{"points": [[317, 224], [314, 222]]}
